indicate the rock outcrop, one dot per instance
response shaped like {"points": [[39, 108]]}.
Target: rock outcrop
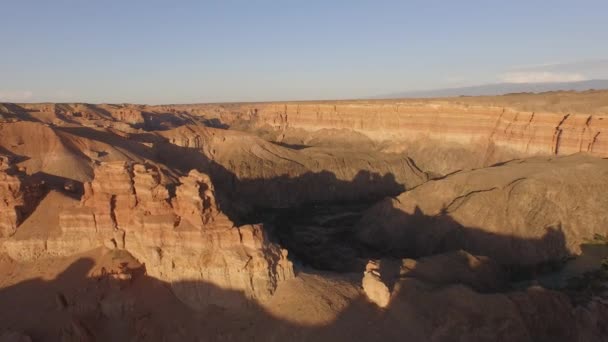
{"points": [[183, 239], [18, 198], [10, 193], [478, 272], [373, 286], [524, 212]]}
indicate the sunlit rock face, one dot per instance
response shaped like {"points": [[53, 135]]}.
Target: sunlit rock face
{"points": [[128, 240], [183, 238], [525, 212], [441, 135]]}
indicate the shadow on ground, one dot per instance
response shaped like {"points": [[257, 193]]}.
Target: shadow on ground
{"points": [[86, 303], [238, 197], [85, 306]]}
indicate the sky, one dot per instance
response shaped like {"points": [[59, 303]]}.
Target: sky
{"points": [[154, 52]]}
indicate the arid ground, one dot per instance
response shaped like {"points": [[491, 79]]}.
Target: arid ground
{"points": [[452, 219]]}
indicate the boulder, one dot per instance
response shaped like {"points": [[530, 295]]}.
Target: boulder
{"points": [[373, 286]]}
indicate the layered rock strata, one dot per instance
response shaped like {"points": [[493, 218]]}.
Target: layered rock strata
{"points": [[17, 197], [465, 134], [183, 238], [441, 135]]}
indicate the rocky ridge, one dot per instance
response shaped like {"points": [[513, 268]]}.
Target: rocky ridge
{"points": [[524, 212], [19, 197], [466, 135], [179, 238]]}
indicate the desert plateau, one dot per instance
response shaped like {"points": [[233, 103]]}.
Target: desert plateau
{"points": [[477, 217]]}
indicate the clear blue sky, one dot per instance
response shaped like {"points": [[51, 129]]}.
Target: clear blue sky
{"points": [[205, 51]]}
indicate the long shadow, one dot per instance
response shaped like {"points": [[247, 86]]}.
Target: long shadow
{"points": [[76, 305], [238, 196], [338, 239], [144, 308], [416, 235], [162, 121], [13, 158], [291, 146], [411, 235], [131, 146], [87, 302], [67, 186], [18, 112]]}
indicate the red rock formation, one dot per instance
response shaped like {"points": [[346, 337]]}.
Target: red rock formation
{"points": [[10, 199], [195, 202], [18, 198], [525, 132], [482, 133], [180, 239], [441, 135]]}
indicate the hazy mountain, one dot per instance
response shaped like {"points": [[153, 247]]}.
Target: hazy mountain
{"points": [[501, 89]]}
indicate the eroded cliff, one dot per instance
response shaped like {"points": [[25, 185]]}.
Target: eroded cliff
{"points": [[180, 237], [142, 205], [441, 135]]}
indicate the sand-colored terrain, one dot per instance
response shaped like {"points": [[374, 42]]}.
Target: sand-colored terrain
{"points": [[419, 219]]}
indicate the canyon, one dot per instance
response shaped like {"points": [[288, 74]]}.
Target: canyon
{"points": [[468, 218]]}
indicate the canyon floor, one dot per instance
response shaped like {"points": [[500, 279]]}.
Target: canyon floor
{"points": [[452, 219]]}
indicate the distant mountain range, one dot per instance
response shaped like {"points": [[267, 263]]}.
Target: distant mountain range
{"points": [[501, 89]]}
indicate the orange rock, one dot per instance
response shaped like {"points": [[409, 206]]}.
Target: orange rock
{"points": [[185, 238]]}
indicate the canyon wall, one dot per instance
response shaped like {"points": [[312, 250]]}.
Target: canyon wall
{"points": [[253, 171], [474, 135], [18, 196], [182, 238], [441, 135]]}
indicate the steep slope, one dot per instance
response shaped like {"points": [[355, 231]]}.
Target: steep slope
{"points": [[180, 237], [65, 152], [441, 135], [254, 171], [524, 212], [149, 228], [105, 295], [18, 197]]}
